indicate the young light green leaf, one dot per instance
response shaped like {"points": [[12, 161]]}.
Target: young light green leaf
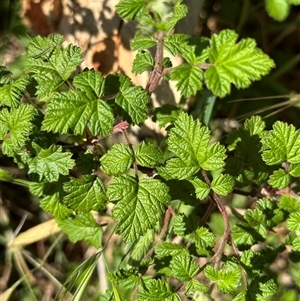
{"points": [[164, 249], [254, 125], [143, 61], [194, 289], [237, 64], [10, 94], [74, 110], [50, 163], [176, 43], [148, 155], [279, 179], [180, 12], [189, 79], [294, 170], [289, 203], [117, 160], [53, 204], [281, 144], [277, 9], [138, 206], [128, 9], [243, 235], [82, 227], [204, 240], [184, 267], [222, 184], [157, 290], [293, 222], [141, 42], [85, 194], [202, 189], [15, 127], [214, 157]]}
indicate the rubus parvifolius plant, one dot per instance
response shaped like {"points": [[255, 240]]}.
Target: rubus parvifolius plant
{"points": [[54, 123]]}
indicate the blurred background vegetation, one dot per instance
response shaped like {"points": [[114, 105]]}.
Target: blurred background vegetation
{"points": [[276, 97]]}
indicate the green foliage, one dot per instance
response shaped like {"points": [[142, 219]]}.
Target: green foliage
{"points": [[60, 126]]}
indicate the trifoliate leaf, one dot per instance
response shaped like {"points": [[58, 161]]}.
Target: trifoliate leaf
{"points": [[82, 227], [148, 155], [143, 245], [157, 290], [277, 9], [139, 204], [202, 189], [10, 94], [294, 170], [143, 61], [293, 222], [289, 203], [222, 184], [87, 162], [176, 43], [184, 267], [281, 144], [117, 160], [74, 110], [254, 125], [128, 9], [189, 79], [204, 240], [15, 127], [52, 71], [164, 249], [232, 63], [134, 101], [85, 194], [194, 289], [185, 226], [141, 42], [279, 179], [51, 162]]}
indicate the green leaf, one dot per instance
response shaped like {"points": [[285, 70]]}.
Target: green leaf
{"points": [[278, 9], [87, 162], [222, 184], [279, 179], [294, 170], [194, 289], [82, 227], [293, 222], [143, 61], [185, 226], [157, 290], [184, 267], [289, 203], [141, 42], [126, 277], [5, 175], [143, 245], [176, 43], [138, 206], [202, 189], [214, 157], [255, 125], [180, 12], [148, 155], [11, 93], [117, 160], [164, 249], [281, 144], [134, 101], [296, 244], [189, 79], [85, 194], [15, 127], [203, 241], [232, 63], [128, 9], [242, 235], [74, 110], [166, 114], [257, 220], [51, 162], [52, 72]]}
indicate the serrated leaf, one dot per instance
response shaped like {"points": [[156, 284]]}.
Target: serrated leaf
{"points": [[204, 240], [128, 9], [10, 94], [134, 101], [85, 194], [166, 114], [180, 12], [74, 110], [242, 235], [87, 162], [164, 249], [50, 163], [289, 203], [138, 206], [281, 144], [277, 9], [214, 157], [293, 222], [52, 204], [189, 79], [157, 290], [126, 277], [143, 245], [184, 267], [257, 220], [255, 125], [141, 42], [194, 289], [232, 63], [117, 160], [185, 226], [176, 43], [202, 189], [15, 127], [143, 61], [82, 227], [294, 170], [148, 155], [222, 184], [296, 244], [279, 179]]}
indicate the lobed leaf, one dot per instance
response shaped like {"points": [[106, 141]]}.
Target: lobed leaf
{"points": [[143, 61], [279, 179], [222, 184]]}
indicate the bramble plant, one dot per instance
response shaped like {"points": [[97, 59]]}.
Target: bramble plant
{"points": [[54, 122]]}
